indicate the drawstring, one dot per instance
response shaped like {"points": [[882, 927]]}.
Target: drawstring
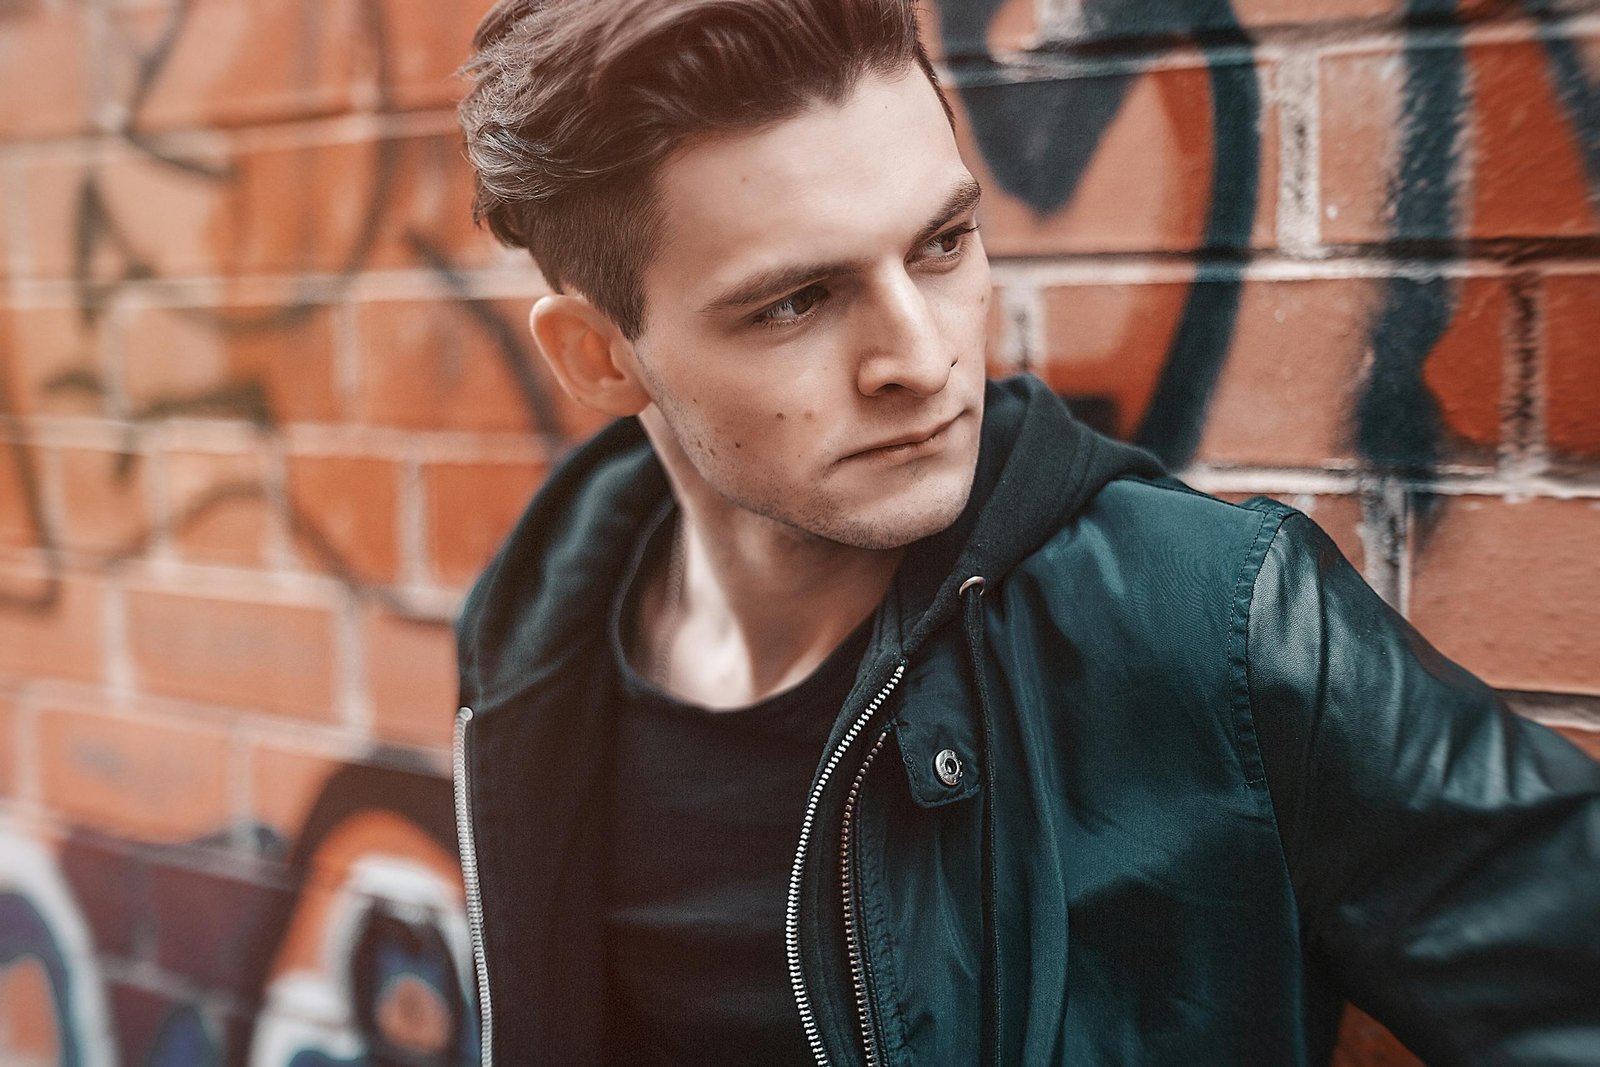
{"points": [[972, 618]]}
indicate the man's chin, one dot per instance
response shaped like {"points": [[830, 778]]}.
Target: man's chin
{"points": [[896, 529]]}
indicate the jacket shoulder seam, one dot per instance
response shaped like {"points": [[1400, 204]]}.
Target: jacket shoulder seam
{"points": [[1273, 516], [1260, 505]]}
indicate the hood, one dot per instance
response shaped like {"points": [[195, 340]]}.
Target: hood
{"points": [[543, 601]]}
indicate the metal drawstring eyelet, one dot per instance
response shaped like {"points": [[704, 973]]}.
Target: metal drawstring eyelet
{"points": [[975, 580]]}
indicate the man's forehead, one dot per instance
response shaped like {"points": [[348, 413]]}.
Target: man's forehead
{"points": [[829, 182]]}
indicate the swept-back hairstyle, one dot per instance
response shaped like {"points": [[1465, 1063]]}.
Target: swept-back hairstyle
{"points": [[575, 104]]}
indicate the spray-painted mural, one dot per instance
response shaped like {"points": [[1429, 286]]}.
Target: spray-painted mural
{"points": [[1354, 239]]}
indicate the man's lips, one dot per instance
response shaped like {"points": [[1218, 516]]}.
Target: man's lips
{"points": [[907, 441]]}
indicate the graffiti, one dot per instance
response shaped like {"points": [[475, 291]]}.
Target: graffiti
{"points": [[376, 969], [357, 954], [99, 238], [47, 970], [353, 950], [1039, 132]]}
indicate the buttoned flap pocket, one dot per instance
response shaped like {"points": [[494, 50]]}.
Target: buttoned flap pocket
{"points": [[936, 728]]}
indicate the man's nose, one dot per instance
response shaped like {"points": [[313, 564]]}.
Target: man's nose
{"points": [[900, 344]]}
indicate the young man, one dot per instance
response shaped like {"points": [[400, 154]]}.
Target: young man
{"points": [[832, 706]]}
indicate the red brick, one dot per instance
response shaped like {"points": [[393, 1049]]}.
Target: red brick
{"points": [[176, 222], [61, 639], [361, 811], [334, 873], [43, 83], [1588, 740], [1465, 368], [50, 194], [1109, 342], [108, 883], [234, 63], [315, 208], [424, 44], [54, 360], [24, 522], [411, 672], [1522, 172], [348, 505], [284, 786], [303, 208], [275, 657], [1291, 12], [217, 506], [1363, 1042], [140, 1017], [1510, 590], [1340, 518], [1572, 365], [8, 746], [260, 362], [1298, 363], [1360, 102], [427, 365], [28, 1013], [432, 365], [104, 495], [1293, 372], [1099, 23], [428, 198], [150, 781], [327, 208], [1530, 176], [1263, 13], [471, 508], [209, 928], [1163, 132]]}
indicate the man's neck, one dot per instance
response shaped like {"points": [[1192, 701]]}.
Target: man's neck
{"points": [[751, 607]]}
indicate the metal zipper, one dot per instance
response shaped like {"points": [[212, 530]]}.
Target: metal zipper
{"points": [[791, 921], [469, 871], [852, 911]]}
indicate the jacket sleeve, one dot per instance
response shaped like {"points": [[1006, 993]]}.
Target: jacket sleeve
{"points": [[1444, 851]]}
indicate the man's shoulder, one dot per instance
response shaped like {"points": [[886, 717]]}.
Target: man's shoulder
{"points": [[1174, 530], [1151, 572]]}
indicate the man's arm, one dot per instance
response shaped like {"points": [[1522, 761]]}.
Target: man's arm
{"points": [[1445, 852]]}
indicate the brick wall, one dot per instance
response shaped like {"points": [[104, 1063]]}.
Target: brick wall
{"points": [[266, 403]]}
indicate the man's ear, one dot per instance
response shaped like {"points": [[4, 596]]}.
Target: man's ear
{"points": [[588, 355]]}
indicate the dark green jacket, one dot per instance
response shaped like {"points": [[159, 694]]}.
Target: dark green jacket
{"points": [[1165, 787]]}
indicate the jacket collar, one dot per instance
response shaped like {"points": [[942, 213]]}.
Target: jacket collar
{"points": [[543, 599]]}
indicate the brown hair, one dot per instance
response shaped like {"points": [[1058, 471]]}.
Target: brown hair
{"points": [[576, 104]]}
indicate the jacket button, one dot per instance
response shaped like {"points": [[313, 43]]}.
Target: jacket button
{"points": [[947, 767]]}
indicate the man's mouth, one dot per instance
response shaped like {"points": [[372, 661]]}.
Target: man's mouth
{"points": [[909, 444]]}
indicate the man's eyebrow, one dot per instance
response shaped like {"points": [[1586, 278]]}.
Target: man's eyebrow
{"points": [[780, 280]]}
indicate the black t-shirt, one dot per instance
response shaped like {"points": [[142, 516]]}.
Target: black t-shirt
{"points": [[705, 814]]}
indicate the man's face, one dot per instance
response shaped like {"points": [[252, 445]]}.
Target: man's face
{"points": [[814, 339]]}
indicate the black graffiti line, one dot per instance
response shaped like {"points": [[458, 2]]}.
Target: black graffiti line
{"points": [[96, 223], [1398, 422], [508, 343], [325, 555], [1581, 99], [20, 453], [1175, 419], [94, 227], [151, 63]]}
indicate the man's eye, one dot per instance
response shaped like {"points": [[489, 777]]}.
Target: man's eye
{"points": [[948, 244], [792, 308]]}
